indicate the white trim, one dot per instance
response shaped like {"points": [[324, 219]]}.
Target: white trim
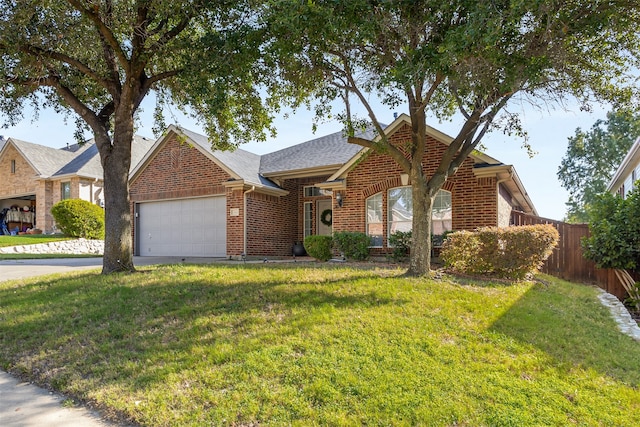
{"points": [[631, 160]]}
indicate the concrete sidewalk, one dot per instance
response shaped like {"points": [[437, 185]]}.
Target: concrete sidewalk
{"points": [[25, 405]]}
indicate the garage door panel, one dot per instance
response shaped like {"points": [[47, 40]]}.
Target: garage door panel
{"points": [[187, 227]]}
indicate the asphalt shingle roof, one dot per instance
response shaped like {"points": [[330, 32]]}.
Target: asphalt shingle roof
{"points": [[45, 160], [87, 162], [332, 149], [243, 163]]}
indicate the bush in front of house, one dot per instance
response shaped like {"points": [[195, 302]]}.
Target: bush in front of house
{"points": [[400, 241], [319, 247], [511, 252], [79, 218], [353, 244]]}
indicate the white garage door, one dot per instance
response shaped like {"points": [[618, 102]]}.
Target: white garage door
{"points": [[187, 227]]}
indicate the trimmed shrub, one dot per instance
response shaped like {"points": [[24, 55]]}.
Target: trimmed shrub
{"points": [[353, 244], [318, 247], [401, 243], [511, 252], [79, 218]]}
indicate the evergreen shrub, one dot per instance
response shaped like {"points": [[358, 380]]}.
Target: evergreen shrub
{"points": [[319, 247], [511, 252], [353, 244], [79, 218]]}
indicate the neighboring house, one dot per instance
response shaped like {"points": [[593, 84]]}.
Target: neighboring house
{"points": [[34, 177], [623, 180], [189, 200]]}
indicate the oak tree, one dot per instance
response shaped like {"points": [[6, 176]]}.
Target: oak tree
{"points": [[96, 60], [468, 59], [592, 157]]}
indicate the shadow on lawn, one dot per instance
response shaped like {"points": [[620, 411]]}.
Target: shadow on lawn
{"points": [[137, 329], [567, 322]]}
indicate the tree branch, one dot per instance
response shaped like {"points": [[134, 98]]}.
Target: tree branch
{"points": [[78, 65], [104, 32]]}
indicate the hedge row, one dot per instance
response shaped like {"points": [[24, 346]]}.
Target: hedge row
{"points": [[354, 245], [511, 252]]}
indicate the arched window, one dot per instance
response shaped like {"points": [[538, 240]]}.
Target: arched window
{"points": [[400, 211], [374, 219]]}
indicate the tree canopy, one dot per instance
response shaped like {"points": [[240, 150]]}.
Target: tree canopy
{"points": [[592, 157], [460, 57], [96, 60]]}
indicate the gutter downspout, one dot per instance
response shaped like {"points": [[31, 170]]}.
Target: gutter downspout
{"points": [[244, 219]]}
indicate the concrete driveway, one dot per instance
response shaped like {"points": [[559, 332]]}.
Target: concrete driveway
{"points": [[23, 404]]}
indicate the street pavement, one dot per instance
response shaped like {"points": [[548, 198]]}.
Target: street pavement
{"points": [[25, 405]]}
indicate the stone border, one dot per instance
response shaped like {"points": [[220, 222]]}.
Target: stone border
{"points": [[71, 247], [620, 314]]}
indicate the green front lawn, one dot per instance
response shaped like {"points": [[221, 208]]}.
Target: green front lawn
{"points": [[30, 239], [283, 344]]}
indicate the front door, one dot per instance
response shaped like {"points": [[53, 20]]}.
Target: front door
{"points": [[323, 206]]}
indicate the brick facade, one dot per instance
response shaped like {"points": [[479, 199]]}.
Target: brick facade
{"points": [[179, 170], [43, 193], [474, 200], [275, 222]]}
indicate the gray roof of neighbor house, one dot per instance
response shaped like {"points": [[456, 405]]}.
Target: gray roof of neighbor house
{"points": [[45, 160], [76, 159], [87, 163], [329, 150]]}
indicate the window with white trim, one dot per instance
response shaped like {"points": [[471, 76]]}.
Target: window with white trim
{"points": [[400, 211], [308, 219], [441, 217], [375, 224], [311, 191]]}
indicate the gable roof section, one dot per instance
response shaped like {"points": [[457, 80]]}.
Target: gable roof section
{"points": [[44, 160], [241, 165], [74, 160], [400, 121], [630, 161], [484, 165], [324, 155], [87, 162]]}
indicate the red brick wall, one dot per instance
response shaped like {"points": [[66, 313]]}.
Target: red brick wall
{"points": [[272, 222], [474, 201], [179, 170]]}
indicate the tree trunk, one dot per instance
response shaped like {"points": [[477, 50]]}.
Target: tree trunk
{"points": [[118, 243], [420, 260]]}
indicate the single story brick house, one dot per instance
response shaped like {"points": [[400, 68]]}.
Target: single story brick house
{"points": [[189, 200], [34, 177]]}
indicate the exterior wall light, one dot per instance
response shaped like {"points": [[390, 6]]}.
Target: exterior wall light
{"points": [[339, 199]]}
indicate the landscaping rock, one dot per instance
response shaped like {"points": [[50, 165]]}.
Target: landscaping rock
{"points": [[71, 247], [620, 314]]}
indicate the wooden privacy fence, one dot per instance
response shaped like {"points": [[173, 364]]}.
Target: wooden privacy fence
{"points": [[566, 261]]}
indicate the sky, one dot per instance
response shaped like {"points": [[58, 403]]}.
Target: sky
{"points": [[548, 133]]}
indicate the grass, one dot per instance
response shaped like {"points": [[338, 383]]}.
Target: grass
{"points": [[29, 239], [298, 345]]}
